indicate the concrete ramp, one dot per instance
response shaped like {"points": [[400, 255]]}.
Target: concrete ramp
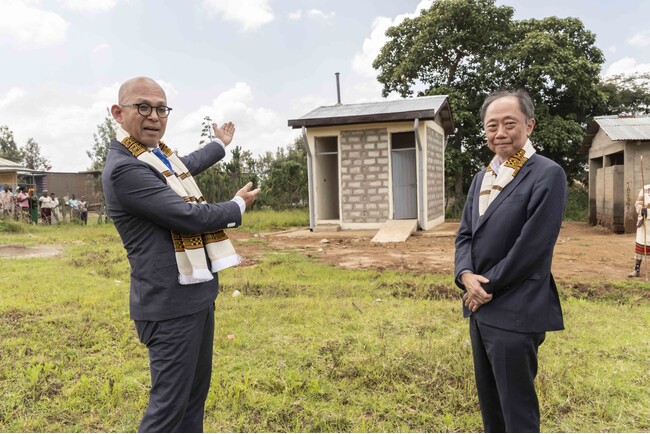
{"points": [[395, 231]]}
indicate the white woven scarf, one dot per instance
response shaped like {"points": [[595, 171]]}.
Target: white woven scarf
{"points": [[190, 249], [493, 184]]}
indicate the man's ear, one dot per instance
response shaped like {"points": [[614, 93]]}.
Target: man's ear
{"points": [[116, 111], [530, 126]]}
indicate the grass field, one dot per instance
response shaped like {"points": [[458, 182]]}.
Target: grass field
{"points": [[315, 349]]}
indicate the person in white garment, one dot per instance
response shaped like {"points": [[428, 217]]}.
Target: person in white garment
{"points": [[642, 231]]}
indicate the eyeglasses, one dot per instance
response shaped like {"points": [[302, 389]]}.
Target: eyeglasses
{"points": [[145, 109]]}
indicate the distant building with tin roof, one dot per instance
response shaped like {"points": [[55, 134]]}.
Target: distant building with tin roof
{"points": [[615, 145]]}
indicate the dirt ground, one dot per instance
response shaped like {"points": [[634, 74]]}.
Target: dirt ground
{"points": [[582, 252], [23, 252]]}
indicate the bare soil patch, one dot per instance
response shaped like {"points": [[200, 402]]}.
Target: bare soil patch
{"points": [[20, 251], [582, 252]]}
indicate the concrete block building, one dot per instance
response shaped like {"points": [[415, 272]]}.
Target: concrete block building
{"points": [[378, 161], [615, 145]]}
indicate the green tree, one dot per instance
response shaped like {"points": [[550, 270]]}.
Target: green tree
{"points": [[468, 48], [213, 183], [206, 130], [626, 94], [284, 182], [102, 139], [32, 158], [282, 176], [449, 49], [8, 148], [557, 61]]}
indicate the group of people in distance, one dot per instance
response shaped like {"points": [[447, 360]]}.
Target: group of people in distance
{"points": [[24, 205]]}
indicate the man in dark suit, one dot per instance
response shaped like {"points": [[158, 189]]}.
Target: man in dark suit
{"points": [[174, 318], [504, 250]]}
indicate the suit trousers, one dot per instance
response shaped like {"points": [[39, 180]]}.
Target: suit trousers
{"points": [[505, 366], [180, 361]]}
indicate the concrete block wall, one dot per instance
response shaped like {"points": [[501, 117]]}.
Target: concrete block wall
{"points": [[365, 175], [435, 174], [610, 202]]}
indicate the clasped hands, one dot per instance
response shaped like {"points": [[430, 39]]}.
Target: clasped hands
{"points": [[476, 296]]}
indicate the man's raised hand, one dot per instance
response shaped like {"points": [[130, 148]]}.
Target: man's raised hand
{"points": [[225, 132]]}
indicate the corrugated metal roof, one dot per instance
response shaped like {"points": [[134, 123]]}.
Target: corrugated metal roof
{"points": [[378, 107], [625, 128], [9, 166], [617, 128], [378, 111]]}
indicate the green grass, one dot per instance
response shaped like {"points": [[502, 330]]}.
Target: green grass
{"points": [[316, 349], [269, 220]]}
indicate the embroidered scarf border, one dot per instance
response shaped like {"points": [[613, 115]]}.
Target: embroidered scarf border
{"points": [[493, 184], [190, 249]]}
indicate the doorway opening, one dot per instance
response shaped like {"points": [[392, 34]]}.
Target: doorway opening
{"points": [[404, 176], [327, 178]]}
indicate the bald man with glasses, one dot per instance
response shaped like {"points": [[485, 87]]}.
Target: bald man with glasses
{"points": [[175, 244]]}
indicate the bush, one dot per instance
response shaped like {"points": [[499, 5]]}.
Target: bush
{"points": [[577, 207], [7, 225]]}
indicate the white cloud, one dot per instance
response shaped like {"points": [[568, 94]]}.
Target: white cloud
{"points": [[612, 49], [101, 47], [315, 13], [295, 15], [25, 26], [368, 88], [89, 5], [627, 66], [14, 94], [251, 14], [641, 39], [362, 62], [60, 119], [258, 129]]}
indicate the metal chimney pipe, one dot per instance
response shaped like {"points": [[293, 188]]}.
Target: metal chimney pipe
{"points": [[338, 89]]}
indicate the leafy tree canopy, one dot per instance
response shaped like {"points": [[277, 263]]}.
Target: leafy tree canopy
{"points": [[626, 94], [32, 158], [101, 142], [468, 48], [8, 148]]}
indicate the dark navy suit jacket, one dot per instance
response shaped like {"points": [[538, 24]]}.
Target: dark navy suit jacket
{"points": [[145, 209], [512, 245]]}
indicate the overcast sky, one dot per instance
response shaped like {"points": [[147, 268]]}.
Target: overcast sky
{"points": [[255, 62]]}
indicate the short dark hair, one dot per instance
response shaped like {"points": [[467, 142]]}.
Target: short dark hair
{"points": [[525, 101]]}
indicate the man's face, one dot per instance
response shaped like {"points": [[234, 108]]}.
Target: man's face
{"points": [[147, 130], [506, 127]]}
